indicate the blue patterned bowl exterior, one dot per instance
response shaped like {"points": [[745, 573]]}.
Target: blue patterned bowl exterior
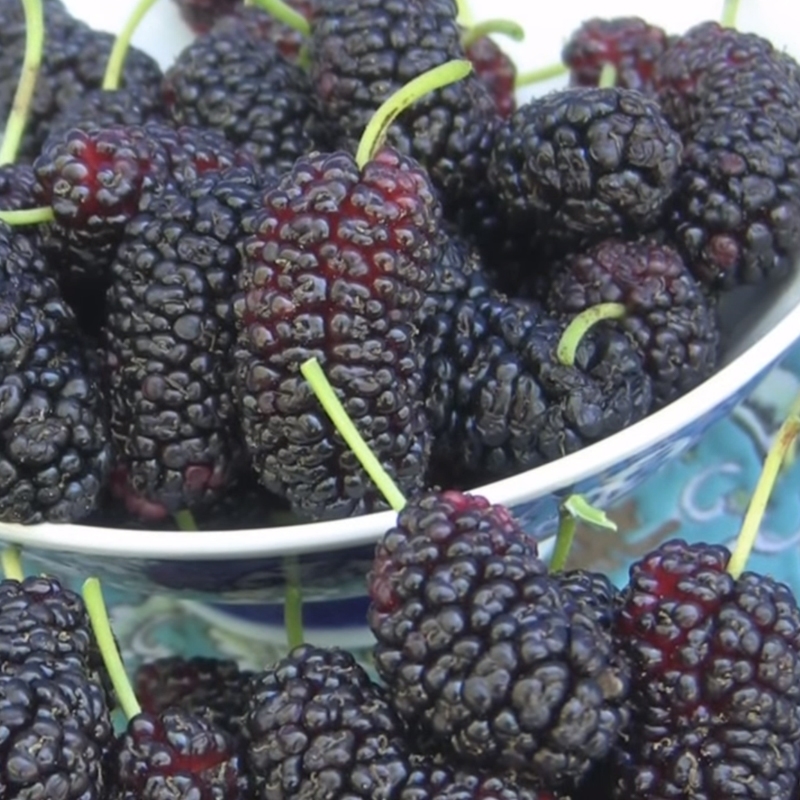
{"points": [[328, 576]]}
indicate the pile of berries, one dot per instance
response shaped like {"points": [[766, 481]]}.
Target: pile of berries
{"points": [[489, 287]]}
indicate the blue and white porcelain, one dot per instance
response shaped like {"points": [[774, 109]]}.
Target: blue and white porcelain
{"points": [[248, 565]]}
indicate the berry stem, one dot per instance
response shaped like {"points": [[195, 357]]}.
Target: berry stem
{"points": [[541, 74], [185, 520], [575, 508], [392, 107], [34, 46], [286, 14], [608, 77], [730, 10], [122, 44], [506, 27], [758, 502], [293, 603], [12, 564], [313, 373], [98, 616], [28, 216], [574, 332]]}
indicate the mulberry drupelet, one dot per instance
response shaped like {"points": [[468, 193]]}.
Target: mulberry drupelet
{"points": [[586, 163]]}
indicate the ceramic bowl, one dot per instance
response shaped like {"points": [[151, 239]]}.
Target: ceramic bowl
{"points": [[247, 565]]}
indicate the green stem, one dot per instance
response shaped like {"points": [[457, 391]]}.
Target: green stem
{"points": [[98, 616], [313, 373], [12, 564], [758, 502], [293, 603], [436, 78], [730, 10], [541, 74], [608, 77], [506, 27], [285, 14], [34, 46], [564, 538], [578, 328], [122, 44], [28, 216], [185, 520], [575, 508]]}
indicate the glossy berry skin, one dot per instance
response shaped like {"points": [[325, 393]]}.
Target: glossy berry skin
{"points": [[168, 338], [106, 108], [629, 44], [56, 732], [432, 780], [317, 726], [715, 679], [701, 64], [56, 453], [668, 316], [334, 266], [736, 212], [93, 182], [40, 618], [176, 756], [586, 163], [17, 184], [362, 51], [501, 401], [232, 81], [481, 650]]}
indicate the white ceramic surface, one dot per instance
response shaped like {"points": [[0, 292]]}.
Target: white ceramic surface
{"points": [[778, 325]]}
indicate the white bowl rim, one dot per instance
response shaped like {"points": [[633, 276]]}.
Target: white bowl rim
{"points": [[365, 530]]}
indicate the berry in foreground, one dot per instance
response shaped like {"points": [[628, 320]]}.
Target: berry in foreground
{"points": [[715, 679], [586, 163], [176, 756], [317, 726], [335, 263], [482, 651], [42, 619], [56, 732], [432, 780]]}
